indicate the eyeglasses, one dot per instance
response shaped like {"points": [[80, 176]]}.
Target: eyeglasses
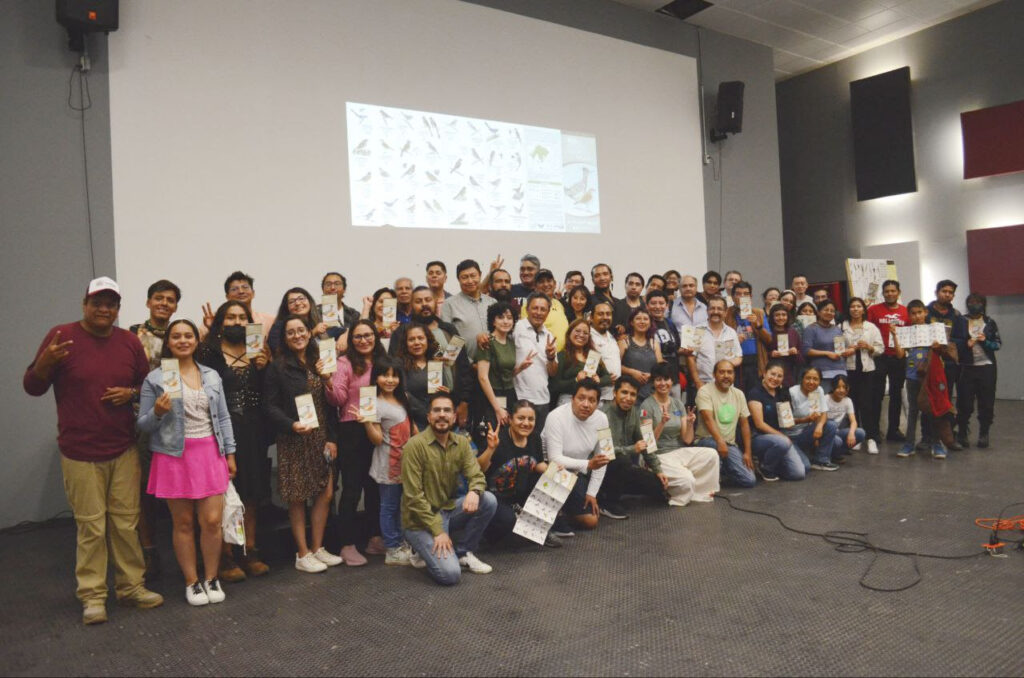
{"points": [[240, 288], [292, 301], [362, 337], [333, 284]]}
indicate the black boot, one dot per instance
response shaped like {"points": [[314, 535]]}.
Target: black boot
{"points": [[983, 438]]}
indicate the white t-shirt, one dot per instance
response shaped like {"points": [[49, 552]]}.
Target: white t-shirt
{"points": [[532, 383], [571, 442], [606, 345], [714, 348], [803, 405], [838, 412]]}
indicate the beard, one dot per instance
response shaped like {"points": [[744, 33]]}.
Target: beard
{"points": [[502, 295]]}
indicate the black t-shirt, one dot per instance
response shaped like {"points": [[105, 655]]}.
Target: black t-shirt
{"points": [[669, 338], [769, 412], [507, 476]]}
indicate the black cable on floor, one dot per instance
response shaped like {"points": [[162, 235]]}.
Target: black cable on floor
{"points": [[30, 525], [857, 542]]}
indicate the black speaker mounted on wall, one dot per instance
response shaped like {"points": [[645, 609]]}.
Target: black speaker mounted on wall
{"points": [[80, 17], [883, 136], [729, 114]]}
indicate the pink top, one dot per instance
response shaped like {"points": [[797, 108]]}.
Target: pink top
{"points": [[346, 388]]}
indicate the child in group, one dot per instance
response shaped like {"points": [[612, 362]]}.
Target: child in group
{"points": [[926, 372], [842, 413], [391, 429]]}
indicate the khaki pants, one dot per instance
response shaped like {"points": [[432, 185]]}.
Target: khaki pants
{"points": [[104, 497]]}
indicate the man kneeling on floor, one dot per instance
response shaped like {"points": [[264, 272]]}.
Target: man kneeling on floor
{"points": [[431, 464], [570, 440]]}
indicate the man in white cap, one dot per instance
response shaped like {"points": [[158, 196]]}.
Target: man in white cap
{"points": [[96, 370]]}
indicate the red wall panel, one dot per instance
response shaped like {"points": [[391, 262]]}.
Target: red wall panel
{"points": [[994, 260], [993, 140]]}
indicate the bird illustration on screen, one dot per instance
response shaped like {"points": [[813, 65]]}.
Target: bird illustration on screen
{"points": [[386, 116], [580, 186], [408, 172], [496, 182], [392, 203], [517, 193], [359, 114], [361, 148], [539, 153], [492, 130], [433, 124], [586, 197], [476, 156], [431, 176], [479, 206], [519, 210], [427, 205], [461, 195], [433, 150], [490, 160], [519, 160], [380, 171], [472, 126], [460, 220], [408, 118], [437, 206], [473, 181], [385, 145], [405, 148], [455, 167], [369, 215], [366, 177], [492, 138], [498, 209]]}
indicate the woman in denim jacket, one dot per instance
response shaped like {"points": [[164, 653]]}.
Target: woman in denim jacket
{"points": [[194, 456]]}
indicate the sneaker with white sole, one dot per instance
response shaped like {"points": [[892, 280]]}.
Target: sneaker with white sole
{"points": [[613, 510], [416, 561], [327, 558], [308, 563], [474, 564], [195, 594], [214, 592], [872, 447], [397, 555], [824, 466]]}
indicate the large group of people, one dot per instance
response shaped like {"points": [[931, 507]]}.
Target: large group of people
{"points": [[477, 393]]}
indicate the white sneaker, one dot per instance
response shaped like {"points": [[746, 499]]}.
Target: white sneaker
{"points": [[872, 447], [474, 564], [856, 447], [397, 555], [195, 594], [327, 558], [416, 561], [214, 592], [308, 563]]}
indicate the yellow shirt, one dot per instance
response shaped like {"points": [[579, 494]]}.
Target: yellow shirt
{"points": [[557, 322]]}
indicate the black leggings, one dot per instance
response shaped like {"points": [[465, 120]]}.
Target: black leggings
{"points": [[894, 370], [867, 409], [354, 454], [976, 382]]}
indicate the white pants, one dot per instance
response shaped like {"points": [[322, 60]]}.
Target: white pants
{"points": [[692, 474]]}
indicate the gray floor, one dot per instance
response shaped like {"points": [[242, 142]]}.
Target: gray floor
{"points": [[703, 590]]}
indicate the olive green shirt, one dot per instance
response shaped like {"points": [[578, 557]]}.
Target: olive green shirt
{"points": [[430, 476], [625, 428]]}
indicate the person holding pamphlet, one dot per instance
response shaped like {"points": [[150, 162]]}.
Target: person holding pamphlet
{"points": [[512, 462], [382, 310], [96, 369], [183, 409], [925, 372], [824, 346], [977, 340], [571, 440], [941, 310], [771, 413], [536, 358], [162, 299], [423, 372], [691, 471], [295, 403], [579, 360], [668, 337], [811, 431], [623, 475], [356, 450], [432, 462], [784, 345], [751, 332], [640, 350], [806, 315], [224, 349], [388, 429], [606, 344], [864, 342], [714, 341], [723, 416], [336, 284], [296, 301], [887, 316]]}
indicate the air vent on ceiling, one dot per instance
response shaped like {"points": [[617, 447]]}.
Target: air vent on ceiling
{"points": [[684, 9]]}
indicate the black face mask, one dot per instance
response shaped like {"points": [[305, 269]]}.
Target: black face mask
{"points": [[975, 309], [233, 334]]}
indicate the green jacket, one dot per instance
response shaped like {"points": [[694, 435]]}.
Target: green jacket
{"points": [[626, 433], [430, 476]]}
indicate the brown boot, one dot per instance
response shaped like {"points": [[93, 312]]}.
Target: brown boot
{"points": [[229, 570], [253, 566]]}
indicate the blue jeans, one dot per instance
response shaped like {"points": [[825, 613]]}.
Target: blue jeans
{"points": [[840, 448], [805, 441], [779, 455], [732, 468], [391, 514], [465, 529]]}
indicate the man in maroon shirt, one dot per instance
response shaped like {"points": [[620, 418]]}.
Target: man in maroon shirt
{"points": [[96, 370], [887, 316]]}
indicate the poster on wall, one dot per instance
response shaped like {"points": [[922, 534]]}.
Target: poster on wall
{"points": [[865, 278]]}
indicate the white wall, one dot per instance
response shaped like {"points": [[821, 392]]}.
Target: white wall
{"points": [[229, 143]]}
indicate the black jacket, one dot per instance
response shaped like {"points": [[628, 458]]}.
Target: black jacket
{"points": [[285, 378]]}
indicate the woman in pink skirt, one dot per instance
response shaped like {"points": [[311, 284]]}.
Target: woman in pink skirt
{"points": [[187, 418]]}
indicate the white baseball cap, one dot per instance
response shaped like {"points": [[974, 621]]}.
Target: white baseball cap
{"points": [[103, 284]]}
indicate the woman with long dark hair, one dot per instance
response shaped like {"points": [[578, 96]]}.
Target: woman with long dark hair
{"points": [[417, 348], [640, 350], [296, 301], [354, 371], [194, 456]]}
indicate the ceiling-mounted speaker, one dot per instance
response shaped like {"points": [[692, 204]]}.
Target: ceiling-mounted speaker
{"points": [[729, 114]]}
